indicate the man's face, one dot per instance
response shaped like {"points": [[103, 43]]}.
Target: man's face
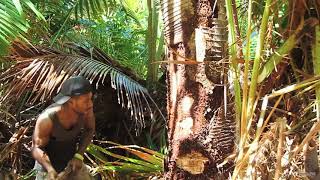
{"points": [[83, 103]]}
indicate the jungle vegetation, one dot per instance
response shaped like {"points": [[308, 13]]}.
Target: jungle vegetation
{"points": [[184, 89]]}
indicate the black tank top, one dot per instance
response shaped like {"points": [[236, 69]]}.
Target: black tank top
{"points": [[62, 144]]}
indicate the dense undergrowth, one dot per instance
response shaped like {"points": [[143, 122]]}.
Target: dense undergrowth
{"points": [[274, 74]]}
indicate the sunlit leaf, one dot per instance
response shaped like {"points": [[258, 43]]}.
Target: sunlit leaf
{"points": [[13, 21], [33, 8], [18, 6], [147, 163]]}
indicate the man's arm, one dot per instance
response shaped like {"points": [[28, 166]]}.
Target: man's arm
{"points": [[89, 129], [40, 139]]}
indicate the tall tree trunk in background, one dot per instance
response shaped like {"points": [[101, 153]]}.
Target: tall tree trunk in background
{"points": [[200, 131], [152, 35]]}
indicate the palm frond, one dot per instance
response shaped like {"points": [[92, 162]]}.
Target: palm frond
{"points": [[47, 69], [13, 23], [93, 8], [144, 160]]}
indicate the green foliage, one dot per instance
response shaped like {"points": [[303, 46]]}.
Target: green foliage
{"points": [[13, 22], [233, 56], [118, 28], [152, 40], [258, 55], [274, 36], [31, 173], [253, 45], [144, 160], [93, 9], [118, 36], [276, 58], [139, 163]]}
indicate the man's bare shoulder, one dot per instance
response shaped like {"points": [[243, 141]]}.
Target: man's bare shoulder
{"points": [[44, 119]]}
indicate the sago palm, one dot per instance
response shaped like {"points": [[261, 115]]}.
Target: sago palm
{"points": [[42, 70], [13, 22]]}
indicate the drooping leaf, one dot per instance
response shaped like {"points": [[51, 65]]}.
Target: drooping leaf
{"points": [[44, 72]]}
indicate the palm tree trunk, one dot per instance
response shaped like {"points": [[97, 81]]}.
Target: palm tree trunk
{"points": [[199, 134]]}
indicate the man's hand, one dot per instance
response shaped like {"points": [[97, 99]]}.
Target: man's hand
{"points": [[75, 164], [52, 174]]}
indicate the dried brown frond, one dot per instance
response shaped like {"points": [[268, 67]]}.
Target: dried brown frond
{"points": [[41, 71]]}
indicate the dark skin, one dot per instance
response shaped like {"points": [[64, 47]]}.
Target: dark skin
{"points": [[68, 115]]}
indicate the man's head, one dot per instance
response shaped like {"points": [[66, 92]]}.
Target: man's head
{"points": [[77, 93]]}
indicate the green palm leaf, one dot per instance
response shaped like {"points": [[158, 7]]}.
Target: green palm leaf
{"points": [[93, 8], [44, 72], [12, 21], [144, 161]]}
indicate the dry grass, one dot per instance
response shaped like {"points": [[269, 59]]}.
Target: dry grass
{"points": [[279, 149]]}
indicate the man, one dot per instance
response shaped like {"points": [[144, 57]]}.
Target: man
{"points": [[64, 130]]}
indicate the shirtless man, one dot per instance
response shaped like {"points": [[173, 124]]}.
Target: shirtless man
{"points": [[64, 130]]}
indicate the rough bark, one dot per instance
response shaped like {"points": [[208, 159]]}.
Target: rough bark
{"points": [[200, 134]]}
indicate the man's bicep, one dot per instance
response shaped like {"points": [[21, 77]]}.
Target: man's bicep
{"points": [[42, 132]]}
